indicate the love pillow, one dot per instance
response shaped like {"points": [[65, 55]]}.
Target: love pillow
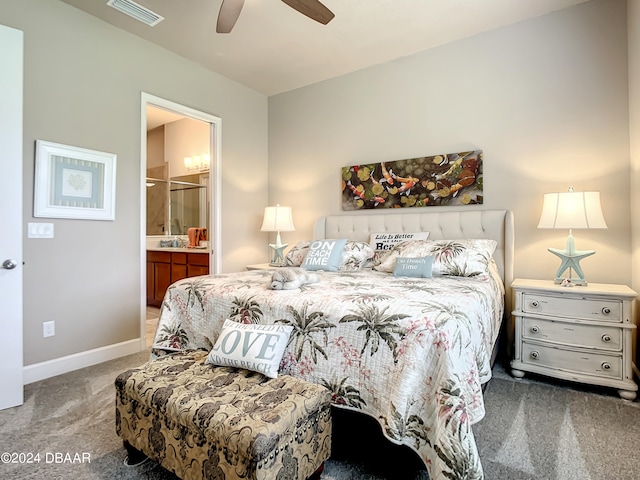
{"points": [[250, 346]]}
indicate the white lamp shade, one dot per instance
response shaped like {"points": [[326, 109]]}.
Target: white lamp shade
{"points": [[571, 209], [277, 219]]}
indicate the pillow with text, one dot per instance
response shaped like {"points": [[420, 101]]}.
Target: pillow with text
{"points": [[382, 243], [413, 267], [325, 255], [255, 347]]}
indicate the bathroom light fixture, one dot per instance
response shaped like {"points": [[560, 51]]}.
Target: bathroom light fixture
{"points": [[198, 163], [277, 219], [571, 210]]}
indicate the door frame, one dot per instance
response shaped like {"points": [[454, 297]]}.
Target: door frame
{"points": [[215, 189]]}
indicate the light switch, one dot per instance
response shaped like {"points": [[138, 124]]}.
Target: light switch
{"points": [[40, 230]]}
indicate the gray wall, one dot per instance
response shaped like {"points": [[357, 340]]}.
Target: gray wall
{"points": [[83, 80], [546, 99]]}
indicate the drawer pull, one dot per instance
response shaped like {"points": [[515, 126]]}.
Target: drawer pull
{"points": [[536, 355], [535, 329], [606, 338], [606, 310], [606, 366], [535, 304]]}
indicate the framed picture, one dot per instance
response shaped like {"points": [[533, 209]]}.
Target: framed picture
{"points": [[73, 182], [437, 180]]}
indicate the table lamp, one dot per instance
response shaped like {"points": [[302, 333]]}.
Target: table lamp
{"points": [[277, 219], [571, 210]]}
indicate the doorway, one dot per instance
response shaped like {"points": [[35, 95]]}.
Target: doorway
{"points": [[167, 111]]}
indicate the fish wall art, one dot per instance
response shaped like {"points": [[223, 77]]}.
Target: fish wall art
{"points": [[447, 179]]}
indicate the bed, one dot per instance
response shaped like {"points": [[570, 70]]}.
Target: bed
{"points": [[412, 353]]}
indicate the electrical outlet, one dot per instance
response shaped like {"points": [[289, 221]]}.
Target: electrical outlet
{"points": [[48, 329]]}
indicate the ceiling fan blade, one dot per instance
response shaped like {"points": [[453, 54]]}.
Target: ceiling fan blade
{"points": [[312, 9], [229, 13]]}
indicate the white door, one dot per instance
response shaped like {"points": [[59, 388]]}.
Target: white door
{"points": [[11, 47]]}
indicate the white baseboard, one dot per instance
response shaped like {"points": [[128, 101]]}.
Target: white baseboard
{"points": [[58, 366]]}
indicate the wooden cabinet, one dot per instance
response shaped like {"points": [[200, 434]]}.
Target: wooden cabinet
{"points": [[165, 268], [178, 266], [198, 264], [583, 333]]}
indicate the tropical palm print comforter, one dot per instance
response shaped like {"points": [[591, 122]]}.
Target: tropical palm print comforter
{"points": [[411, 353]]}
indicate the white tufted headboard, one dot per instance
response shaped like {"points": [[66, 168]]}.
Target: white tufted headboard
{"points": [[495, 224]]}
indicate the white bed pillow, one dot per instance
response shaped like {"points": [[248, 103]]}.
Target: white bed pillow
{"points": [[382, 243], [250, 346], [388, 240], [295, 256], [460, 258], [355, 256]]}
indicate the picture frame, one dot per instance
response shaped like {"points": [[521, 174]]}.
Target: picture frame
{"points": [[74, 182], [449, 179]]}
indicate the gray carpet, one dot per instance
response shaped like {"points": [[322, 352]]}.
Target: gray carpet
{"points": [[533, 429]]}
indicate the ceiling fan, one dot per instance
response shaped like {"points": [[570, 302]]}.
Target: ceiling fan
{"points": [[230, 11]]}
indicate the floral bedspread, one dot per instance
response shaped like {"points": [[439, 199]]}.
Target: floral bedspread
{"points": [[411, 353]]}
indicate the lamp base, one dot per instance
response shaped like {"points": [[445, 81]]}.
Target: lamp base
{"points": [[278, 254], [581, 282], [571, 260]]}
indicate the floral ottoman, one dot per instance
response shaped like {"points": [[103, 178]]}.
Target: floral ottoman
{"points": [[202, 421]]}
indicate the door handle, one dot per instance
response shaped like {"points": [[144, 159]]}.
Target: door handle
{"points": [[9, 264]]}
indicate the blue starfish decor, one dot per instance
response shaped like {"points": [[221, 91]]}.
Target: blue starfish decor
{"points": [[571, 260], [278, 253]]}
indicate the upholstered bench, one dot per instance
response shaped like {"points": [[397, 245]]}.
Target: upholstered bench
{"points": [[203, 421]]}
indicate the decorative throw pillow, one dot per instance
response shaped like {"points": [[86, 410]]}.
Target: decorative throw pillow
{"points": [[383, 243], [460, 258], [413, 267], [324, 255], [355, 256], [295, 256], [251, 346]]}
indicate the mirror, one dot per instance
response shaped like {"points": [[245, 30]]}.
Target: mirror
{"points": [[177, 173], [177, 204]]}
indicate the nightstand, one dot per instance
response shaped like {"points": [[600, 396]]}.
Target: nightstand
{"points": [[582, 334], [261, 266]]}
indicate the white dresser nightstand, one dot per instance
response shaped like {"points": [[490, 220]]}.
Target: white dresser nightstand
{"points": [[261, 266], [583, 334]]}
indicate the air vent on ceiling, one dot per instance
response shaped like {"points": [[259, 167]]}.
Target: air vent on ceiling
{"points": [[140, 13]]}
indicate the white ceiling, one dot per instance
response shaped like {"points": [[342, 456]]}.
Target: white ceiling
{"points": [[274, 49]]}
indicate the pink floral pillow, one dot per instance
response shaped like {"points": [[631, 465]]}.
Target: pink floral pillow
{"points": [[296, 255]]}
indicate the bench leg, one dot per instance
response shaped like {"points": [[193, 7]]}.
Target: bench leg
{"points": [[134, 456], [317, 473]]}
